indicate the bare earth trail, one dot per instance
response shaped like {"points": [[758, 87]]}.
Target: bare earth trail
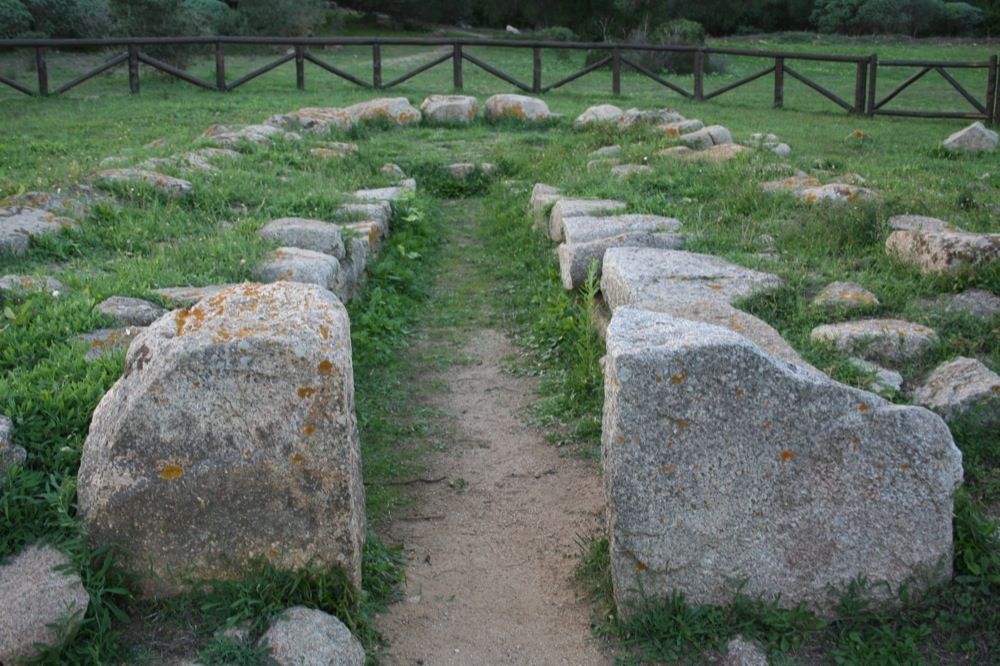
{"points": [[491, 548]]}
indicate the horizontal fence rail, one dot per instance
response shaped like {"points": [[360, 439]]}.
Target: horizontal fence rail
{"points": [[866, 101]]}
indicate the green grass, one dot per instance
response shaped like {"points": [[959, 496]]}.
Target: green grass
{"points": [[147, 241]]}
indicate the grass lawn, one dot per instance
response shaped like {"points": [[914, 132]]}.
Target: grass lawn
{"points": [[147, 241]]}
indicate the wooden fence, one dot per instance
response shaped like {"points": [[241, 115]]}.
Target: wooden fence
{"points": [[866, 99]]}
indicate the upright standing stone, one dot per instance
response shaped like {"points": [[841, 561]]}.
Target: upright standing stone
{"points": [[231, 436], [724, 463]]}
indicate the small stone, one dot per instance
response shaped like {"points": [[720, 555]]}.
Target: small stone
{"points": [[741, 652], [602, 164], [450, 109], [18, 225], [885, 381], [973, 139], [722, 152], [566, 208], [261, 135], [943, 251], [627, 170], [10, 453], [389, 194], [891, 341], [293, 264], [601, 113], [308, 637], [200, 161], [393, 170], [461, 170], [542, 196], [634, 117], [713, 135], [957, 386], [845, 295], [168, 185], [12, 284], [107, 341], [41, 605], [681, 127], [315, 235], [517, 107], [839, 193], [792, 184], [607, 151], [130, 311], [781, 149]]}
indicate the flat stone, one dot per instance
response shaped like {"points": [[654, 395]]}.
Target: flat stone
{"points": [[634, 117], [575, 259], [602, 163], [791, 184], [694, 286], [450, 109], [315, 235], [973, 139], [724, 463], [185, 297], [918, 223], [334, 150], [303, 636], [516, 107], [200, 161], [312, 120], [713, 135], [10, 453], [260, 135], [960, 385], [106, 341], [584, 228], [600, 113], [845, 295], [387, 193], [174, 187], [838, 193], [293, 264], [461, 170], [393, 170], [889, 341], [18, 225], [74, 201], [741, 652], [12, 284], [722, 152], [246, 398], [675, 151], [627, 170], [41, 606], [380, 212], [607, 151], [943, 251], [567, 208], [681, 127], [972, 302], [884, 382], [395, 110], [129, 311]]}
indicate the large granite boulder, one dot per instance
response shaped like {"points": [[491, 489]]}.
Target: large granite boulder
{"points": [[231, 436], [600, 113], [564, 209], [943, 251], [315, 235], [694, 286], [958, 386], [724, 463], [890, 341], [576, 259], [973, 139], [309, 637], [18, 225], [450, 109], [516, 107], [42, 604]]}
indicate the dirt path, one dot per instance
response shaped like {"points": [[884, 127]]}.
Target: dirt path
{"points": [[492, 548]]}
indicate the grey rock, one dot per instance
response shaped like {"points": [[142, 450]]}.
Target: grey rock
{"points": [[396, 110], [626, 170], [261, 135], [607, 151], [918, 223], [200, 161], [361, 250], [107, 341], [393, 170], [308, 637], [713, 135], [185, 297], [655, 116], [450, 109], [943, 251], [838, 193], [680, 127], [11, 284], [334, 150], [972, 302], [602, 163], [130, 311], [584, 228], [296, 265], [542, 196], [42, 603], [315, 235], [741, 652], [516, 107], [600, 113], [575, 259], [246, 398], [957, 386], [74, 201], [461, 170], [10, 453], [567, 208], [890, 341], [884, 382], [389, 194], [174, 187], [781, 149], [380, 212], [973, 139], [18, 225], [722, 462], [848, 295], [790, 184]]}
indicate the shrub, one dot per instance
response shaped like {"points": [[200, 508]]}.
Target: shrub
{"points": [[679, 32], [558, 33], [158, 18], [14, 18], [285, 18], [69, 18], [961, 18], [216, 17]]}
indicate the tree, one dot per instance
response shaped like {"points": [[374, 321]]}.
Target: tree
{"points": [[14, 18]]}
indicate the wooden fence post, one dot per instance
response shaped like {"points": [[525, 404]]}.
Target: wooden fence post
{"points": [[991, 92], [376, 66], [699, 75], [133, 69], [42, 67], [456, 66], [220, 67], [536, 79], [616, 72], [872, 81], [300, 67], [860, 85], [779, 83]]}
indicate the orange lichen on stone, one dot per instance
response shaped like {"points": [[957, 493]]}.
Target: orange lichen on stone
{"points": [[298, 459], [787, 455], [904, 467], [621, 439], [184, 316], [678, 378], [306, 392], [325, 367], [863, 407], [683, 424], [324, 332], [309, 429], [668, 469], [171, 472], [716, 287], [739, 394], [673, 131], [640, 566]]}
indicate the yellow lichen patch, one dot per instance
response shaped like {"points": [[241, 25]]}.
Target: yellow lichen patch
{"points": [[678, 378], [324, 332], [297, 459], [904, 467], [683, 424], [811, 198], [184, 316], [325, 367], [621, 439], [767, 426], [659, 379], [668, 469], [640, 566], [309, 429], [716, 287], [306, 392], [996, 389], [673, 131], [171, 472], [373, 235], [863, 407], [247, 453], [787, 455]]}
